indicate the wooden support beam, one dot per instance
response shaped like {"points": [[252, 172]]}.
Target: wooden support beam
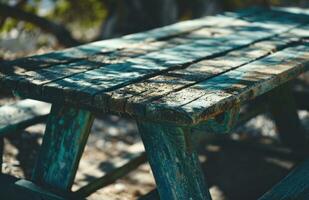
{"points": [[294, 186], [222, 123], [30, 190], [65, 137], [111, 177], [174, 162], [20, 189], [284, 112]]}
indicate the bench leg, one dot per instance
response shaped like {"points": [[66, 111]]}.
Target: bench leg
{"points": [[65, 137], [284, 112], [174, 163]]}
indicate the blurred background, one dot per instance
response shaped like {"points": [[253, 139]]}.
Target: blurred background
{"points": [[36, 26]]}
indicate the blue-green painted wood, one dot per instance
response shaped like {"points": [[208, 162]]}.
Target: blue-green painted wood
{"points": [[293, 187], [21, 189], [174, 162], [65, 137], [222, 123]]}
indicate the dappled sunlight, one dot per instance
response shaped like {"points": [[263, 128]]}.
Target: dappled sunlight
{"points": [[204, 98]]}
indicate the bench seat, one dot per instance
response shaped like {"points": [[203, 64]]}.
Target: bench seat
{"points": [[22, 114]]}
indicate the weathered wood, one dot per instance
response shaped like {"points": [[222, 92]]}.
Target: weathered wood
{"points": [[222, 123], [294, 186], [185, 74], [111, 177], [20, 189], [18, 116], [117, 75], [228, 120], [174, 162], [28, 190], [66, 134], [132, 98], [208, 98], [126, 42], [284, 112]]}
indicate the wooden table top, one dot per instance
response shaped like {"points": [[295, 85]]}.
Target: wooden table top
{"points": [[184, 73]]}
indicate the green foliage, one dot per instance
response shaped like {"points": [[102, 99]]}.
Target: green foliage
{"points": [[86, 14], [8, 25], [84, 17]]}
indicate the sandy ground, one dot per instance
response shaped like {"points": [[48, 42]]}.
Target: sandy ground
{"points": [[232, 172]]}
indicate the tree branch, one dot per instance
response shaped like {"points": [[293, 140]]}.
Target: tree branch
{"points": [[63, 36]]}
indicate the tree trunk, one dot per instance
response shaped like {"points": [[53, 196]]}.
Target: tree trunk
{"points": [[63, 36], [132, 16]]}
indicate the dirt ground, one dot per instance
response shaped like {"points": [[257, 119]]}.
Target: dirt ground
{"points": [[233, 172]]}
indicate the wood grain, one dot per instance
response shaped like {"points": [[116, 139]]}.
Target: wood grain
{"points": [[65, 136], [132, 98], [173, 161], [208, 98], [166, 83], [133, 41], [295, 186]]}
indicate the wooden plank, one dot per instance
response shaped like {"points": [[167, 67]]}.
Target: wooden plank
{"points": [[208, 98], [133, 70], [132, 98], [127, 42], [155, 60], [173, 161], [47, 74], [19, 115], [222, 123], [20, 189], [190, 25], [65, 136], [28, 190], [284, 113], [294, 186], [111, 177]]}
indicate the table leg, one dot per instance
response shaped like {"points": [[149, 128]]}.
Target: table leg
{"points": [[284, 112], [174, 162], [64, 140]]}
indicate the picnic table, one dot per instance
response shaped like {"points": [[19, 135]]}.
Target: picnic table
{"points": [[171, 80]]}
